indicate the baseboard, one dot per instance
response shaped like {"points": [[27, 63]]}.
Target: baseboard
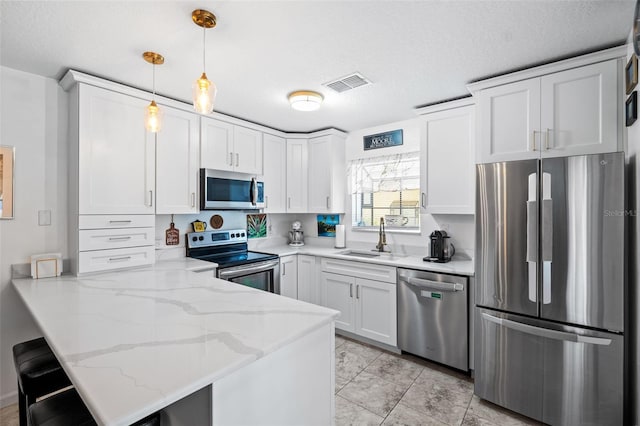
{"points": [[9, 398]]}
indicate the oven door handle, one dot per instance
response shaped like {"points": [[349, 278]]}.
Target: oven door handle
{"points": [[244, 270]]}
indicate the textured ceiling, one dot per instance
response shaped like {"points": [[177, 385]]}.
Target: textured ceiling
{"points": [[415, 52]]}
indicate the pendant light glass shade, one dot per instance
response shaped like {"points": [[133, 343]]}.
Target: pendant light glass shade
{"points": [[153, 117], [204, 91], [204, 94], [153, 113]]}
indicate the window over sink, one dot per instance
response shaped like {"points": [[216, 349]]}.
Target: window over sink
{"points": [[385, 187]]}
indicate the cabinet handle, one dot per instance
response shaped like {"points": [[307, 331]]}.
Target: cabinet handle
{"points": [[546, 140], [150, 198], [231, 158], [350, 290], [237, 159], [424, 200], [284, 269], [328, 204], [119, 238], [289, 202], [119, 221], [266, 201], [358, 291], [119, 259], [533, 141], [193, 199]]}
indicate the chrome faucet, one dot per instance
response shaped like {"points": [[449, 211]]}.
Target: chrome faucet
{"points": [[382, 237]]}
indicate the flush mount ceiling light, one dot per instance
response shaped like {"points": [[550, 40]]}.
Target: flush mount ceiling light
{"points": [[153, 113], [204, 91], [305, 100]]}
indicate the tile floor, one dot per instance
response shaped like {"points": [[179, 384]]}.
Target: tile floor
{"points": [[375, 387]]}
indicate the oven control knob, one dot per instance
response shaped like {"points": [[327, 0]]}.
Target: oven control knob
{"points": [[201, 238], [194, 239], [233, 235], [242, 234]]}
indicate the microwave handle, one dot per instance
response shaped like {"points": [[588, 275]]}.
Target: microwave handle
{"points": [[253, 193]]}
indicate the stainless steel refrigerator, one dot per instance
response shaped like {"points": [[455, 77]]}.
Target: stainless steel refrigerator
{"points": [[550, 288]]}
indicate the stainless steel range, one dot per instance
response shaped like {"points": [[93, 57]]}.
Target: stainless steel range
{"points": [[236, 263]]}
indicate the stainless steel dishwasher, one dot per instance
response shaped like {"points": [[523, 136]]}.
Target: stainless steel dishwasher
{"points": [[433, 316]]}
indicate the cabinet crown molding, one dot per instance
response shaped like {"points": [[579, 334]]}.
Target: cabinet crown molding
{"points": [[553, 67], [444, 106]]}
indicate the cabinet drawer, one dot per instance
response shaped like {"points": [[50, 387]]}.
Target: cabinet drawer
{"points": [[100, 239], [360, 269], [116, 221], [104, 260]]}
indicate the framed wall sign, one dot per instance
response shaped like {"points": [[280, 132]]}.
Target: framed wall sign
{"points": [[631, 74], [631, 109], [383, 140]]}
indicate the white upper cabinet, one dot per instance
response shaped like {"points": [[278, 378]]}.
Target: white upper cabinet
{"points": [[275, 173], [297, 175], [450, 160], [327, 174], [116, 154], [509, 116], [580, 111], [177, 162], [229, 147], [573, 111]]}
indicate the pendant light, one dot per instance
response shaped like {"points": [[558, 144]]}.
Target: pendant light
{"points": [[153, 113], [204, 91]]}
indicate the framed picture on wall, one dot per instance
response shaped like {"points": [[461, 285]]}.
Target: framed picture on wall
{"points": [[631, 109], [631, 73]]}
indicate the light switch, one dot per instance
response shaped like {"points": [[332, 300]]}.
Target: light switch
{"points": [[44, 217]]}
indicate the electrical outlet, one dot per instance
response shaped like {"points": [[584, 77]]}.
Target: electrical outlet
{"points": [[44, 217]]}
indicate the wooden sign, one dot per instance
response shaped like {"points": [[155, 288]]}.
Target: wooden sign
{"points": [[172, 235], [383, 140]]}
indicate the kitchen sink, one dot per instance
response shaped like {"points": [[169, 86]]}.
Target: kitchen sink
{"points": [[360, 253]]}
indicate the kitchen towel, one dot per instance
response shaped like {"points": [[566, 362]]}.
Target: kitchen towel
{"points": [[340, 243]]}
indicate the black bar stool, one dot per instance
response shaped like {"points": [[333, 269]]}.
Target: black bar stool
{"points": [[39, 373], [62, 409]]}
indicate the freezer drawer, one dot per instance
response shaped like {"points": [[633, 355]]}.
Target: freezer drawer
{"points": [[433, 316], [556, 374]]}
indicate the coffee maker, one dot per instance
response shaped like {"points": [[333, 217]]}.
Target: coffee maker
{"points": [[296, 236], [441, 248]]}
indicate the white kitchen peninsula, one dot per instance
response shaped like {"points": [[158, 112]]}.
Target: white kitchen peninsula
{"points": [[138, 341]]}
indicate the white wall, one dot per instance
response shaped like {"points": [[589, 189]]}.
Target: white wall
{"points": [[633, 192], [460, 227], [33, 118]]}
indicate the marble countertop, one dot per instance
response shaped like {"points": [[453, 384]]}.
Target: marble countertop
{"points": [[457, 267], [135, 341]]}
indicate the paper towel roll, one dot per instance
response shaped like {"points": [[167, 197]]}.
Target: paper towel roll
{"points": [[340, 243]]}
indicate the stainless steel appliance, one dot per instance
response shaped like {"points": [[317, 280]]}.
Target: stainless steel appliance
{"points": [[433, 316], [221, 190], [441, 249], [235, 262], [296, 236], [550, 288]]}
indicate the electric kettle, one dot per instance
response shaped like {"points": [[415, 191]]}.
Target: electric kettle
{"points": [[441, 248], [296, 236]]}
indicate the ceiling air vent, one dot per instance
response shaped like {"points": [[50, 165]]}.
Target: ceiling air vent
{"points": [[347, 83]]}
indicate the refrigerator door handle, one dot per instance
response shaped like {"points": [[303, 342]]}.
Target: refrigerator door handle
{"points": [[545, 332], [434, 285], [532, 236], [546, 237]]}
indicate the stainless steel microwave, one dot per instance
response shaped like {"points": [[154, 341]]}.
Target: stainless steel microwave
{"points": [[221, 190]]}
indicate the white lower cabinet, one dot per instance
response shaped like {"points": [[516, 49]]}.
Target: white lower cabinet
{"points": [[289, 276], [367, 306], [307, 281]]}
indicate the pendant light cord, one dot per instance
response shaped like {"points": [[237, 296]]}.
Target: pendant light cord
{"points": [[154, 80], [204, 49]]}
